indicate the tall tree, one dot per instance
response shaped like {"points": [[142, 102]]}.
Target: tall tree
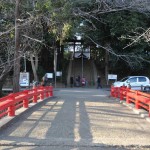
{"points": [[17, 48], [6, 41], [114, 21]]}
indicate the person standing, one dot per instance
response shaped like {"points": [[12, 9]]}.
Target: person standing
{"points": [[76, 82], [65, 83], [79, 79], [44, 80], [71, 81], [83, 81], [99, 82]]}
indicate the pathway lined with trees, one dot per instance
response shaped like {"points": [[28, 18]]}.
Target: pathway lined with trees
{"points": [[116, 31]]}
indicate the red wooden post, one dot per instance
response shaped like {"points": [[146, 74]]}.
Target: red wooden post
{"points": [[11, 108], [42, 93], [127, 97], [126, 90], [25, 101], [116, 92], [35, 97], [47, 91], [137, 106], [121, 93], [11, 111], [127, 100], [149, 110], [51, 91]]}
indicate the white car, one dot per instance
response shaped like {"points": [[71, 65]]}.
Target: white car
{"points": [[136, 82]]}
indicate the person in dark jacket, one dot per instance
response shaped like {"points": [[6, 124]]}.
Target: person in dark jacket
{"points": [[71, 81], [79, 80], [99, 82]]}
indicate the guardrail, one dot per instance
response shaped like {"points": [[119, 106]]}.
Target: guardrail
{"points": [[140, 99], [9, 104]]}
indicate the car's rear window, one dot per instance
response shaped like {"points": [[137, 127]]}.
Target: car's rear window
{"points": [[142, 79]]}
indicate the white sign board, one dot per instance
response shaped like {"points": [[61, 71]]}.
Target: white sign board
{"points": [[112, 77], [49, 75], [58, 73], [24, 79]]}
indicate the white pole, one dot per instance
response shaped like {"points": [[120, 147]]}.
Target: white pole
{"points": [[55, 65], [82, 64], [25, 67]]}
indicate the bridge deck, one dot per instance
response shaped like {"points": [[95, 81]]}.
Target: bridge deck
{"points": [[77, 119]]}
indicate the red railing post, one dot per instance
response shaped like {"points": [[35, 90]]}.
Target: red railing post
{"points": [[35, 97], [136, 101], [126, 91], [116, 92], [51, 91], [47, 91], [42, 93], [121, 93], [11, 108], [127, 97], [25, 101]]}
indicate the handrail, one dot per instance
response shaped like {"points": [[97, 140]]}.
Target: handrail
{"points": [[140, 99], [10, 103]]}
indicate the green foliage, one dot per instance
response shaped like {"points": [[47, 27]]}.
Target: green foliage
{"points": [[43, 6], [58, 15], [125, 22], [54, 21], [67, 55]]}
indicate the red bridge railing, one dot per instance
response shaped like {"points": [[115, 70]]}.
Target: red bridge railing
{"points": [[9, 104], [140, 99]]}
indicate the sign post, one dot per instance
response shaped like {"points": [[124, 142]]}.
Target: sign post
{"points": [[24, 79], [111, 77]]}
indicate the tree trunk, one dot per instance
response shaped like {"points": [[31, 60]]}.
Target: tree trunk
{"points": [[61, 57], [36, 62], [107, 63], [34, 68], [55, 64], [1, 87], [106, 66], [17, 48]]}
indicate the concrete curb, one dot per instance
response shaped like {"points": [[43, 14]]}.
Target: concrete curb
{"points": [[141, 112]]}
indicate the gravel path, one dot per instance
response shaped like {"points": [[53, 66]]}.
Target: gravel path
{"points": [[77, 119]]}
